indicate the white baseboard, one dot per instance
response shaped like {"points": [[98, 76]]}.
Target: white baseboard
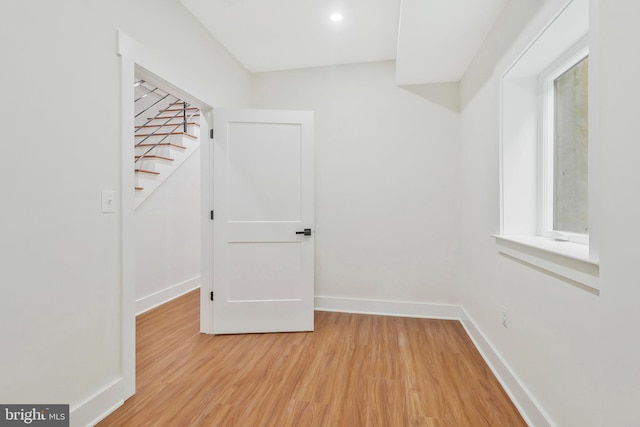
{"points": [[158, 298], [530, 410], [99, 406], [103, 403], [388, 308], [521, 398]]}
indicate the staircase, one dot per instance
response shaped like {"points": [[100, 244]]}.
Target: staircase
{"points": [[167, 132]]}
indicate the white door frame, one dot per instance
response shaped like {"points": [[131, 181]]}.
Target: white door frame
{"points": [[136, 58]]}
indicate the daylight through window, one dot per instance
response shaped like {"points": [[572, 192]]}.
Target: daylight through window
{"points": [[566, 149]]}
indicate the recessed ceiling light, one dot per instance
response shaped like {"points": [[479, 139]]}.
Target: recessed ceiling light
{"points": [[336, 17]]}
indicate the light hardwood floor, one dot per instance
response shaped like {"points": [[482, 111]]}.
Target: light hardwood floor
{"points": [[354, 370]]}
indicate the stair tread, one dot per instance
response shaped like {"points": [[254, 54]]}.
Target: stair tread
{"points": [[188, 135], [167, 124], [147, 171], [170, 117], [163, 144], [181, 109], [154, 156]]}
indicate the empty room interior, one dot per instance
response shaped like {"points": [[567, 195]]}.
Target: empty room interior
{"points": [[463, 168]]}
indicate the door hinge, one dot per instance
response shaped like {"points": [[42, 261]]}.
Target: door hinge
{"points": [[212, 215], [211, 133], [211, 295]]}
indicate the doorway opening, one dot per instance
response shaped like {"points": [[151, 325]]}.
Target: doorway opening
{"points": [[167, 195], [137, 63]]}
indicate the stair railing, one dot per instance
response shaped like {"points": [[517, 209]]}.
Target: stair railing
{"points": [[180, 114], [166, 123], [184, 123], [150, 90], [145, 94], [139, 82]]}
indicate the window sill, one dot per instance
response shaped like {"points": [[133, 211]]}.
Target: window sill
{"points": [[567, 261]]}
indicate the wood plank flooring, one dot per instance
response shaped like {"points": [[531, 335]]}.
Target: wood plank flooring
{"points": [[354, 370]]}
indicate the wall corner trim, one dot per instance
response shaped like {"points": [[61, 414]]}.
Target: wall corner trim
{"points": [[528, 407], [103, 403]]}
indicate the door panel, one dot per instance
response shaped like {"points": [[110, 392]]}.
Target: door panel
{"points": [[263, 196], [265, 177], [254, 265]]}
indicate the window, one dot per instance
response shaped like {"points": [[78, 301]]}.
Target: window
{"points": [[547, 196], [564, 169]]}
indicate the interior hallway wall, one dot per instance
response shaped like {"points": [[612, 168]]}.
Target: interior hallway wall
{"points": [[168, 237], [60, 268], [620, 209], [385, 186], [574, 351]]}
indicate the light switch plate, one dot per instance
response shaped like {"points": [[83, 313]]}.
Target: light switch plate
{"points": [[108, 201]]}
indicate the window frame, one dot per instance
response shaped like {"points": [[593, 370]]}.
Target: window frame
{"points": [[567, 60], [552, 32]]}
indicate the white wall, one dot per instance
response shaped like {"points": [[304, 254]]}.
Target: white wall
{"points": [[60, 266], [385, 188], [167, 235], [620, 210], [575, 352]]}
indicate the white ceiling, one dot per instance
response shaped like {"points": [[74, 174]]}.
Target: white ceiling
{"points": [[439, 38], [432, 40]]}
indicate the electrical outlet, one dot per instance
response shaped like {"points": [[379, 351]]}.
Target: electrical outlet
{"points": [[108, 201], [505, 316]]}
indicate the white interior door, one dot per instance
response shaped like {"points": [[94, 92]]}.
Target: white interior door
{"points": [[263, 201]]}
